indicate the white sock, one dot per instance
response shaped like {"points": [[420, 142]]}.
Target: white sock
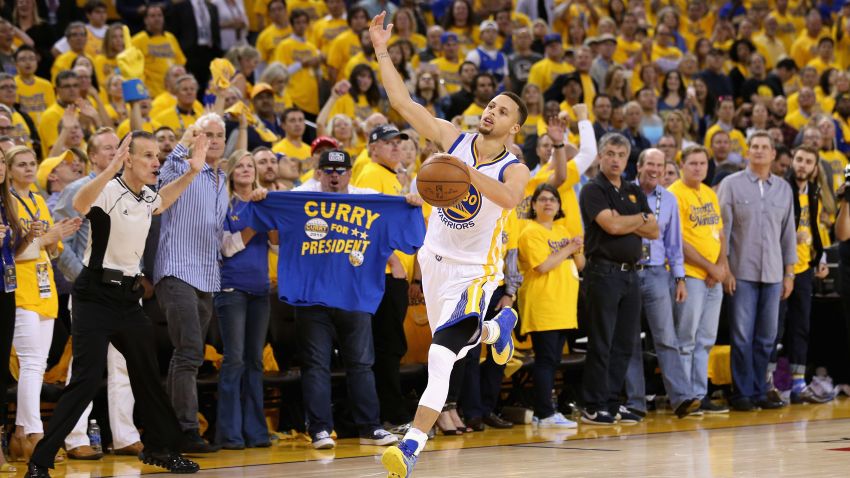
{"points": [[418, 436], [492, 329]]}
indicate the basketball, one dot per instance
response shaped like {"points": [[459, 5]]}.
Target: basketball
{"points": [[443, 180]]}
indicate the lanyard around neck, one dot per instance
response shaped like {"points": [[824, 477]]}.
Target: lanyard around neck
{"points": [[37, 214]]}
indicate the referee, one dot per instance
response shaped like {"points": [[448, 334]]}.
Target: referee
{"points": [[616, 216], [106, 298]]}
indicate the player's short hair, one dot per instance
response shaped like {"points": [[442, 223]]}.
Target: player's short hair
{"points": [[521, 107]]}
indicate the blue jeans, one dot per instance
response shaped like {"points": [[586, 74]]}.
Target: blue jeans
{"points": [[696, 327], [244, 322], [755, 317], [657, 301], [316, 327]]}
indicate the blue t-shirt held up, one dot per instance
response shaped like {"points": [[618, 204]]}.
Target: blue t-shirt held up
{"points": [[334, 247], [248, 269]]}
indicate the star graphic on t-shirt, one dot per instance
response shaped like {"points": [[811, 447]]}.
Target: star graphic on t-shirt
{"points": [[355, 232], [363, 235]]}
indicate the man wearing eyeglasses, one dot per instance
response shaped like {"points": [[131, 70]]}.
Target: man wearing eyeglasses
{"points": [[67, 93], [315, 326]]}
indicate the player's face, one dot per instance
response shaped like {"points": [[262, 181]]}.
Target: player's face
{"points": [[499, 117], [144, 160], [334, 179]]}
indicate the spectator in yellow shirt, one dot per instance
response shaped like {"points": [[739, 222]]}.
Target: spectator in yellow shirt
{"points": [[347, 44], [332, 25], [303, 61], [363, 97], [825, 58], [449, 63], [34, 94], [105, 63], [276, 32], [160, 48], [459, 19], [549, 260], [807, 102], [75, 33], [365, 57], [544, 72], [805, 45], [292, 145], [186, 111]]}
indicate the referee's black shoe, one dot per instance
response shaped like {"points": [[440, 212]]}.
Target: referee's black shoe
{"points": [[173, 462], [194, 443], [36, 471]]}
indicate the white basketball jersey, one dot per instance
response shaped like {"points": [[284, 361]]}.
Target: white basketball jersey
{"points": [[471, 231]]}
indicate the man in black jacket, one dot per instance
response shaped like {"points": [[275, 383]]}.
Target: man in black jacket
{"points": [[794, 312], [195, 24]]}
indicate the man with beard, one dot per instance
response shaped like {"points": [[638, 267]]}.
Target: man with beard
{"points": [[794, 312], [266, 167]]}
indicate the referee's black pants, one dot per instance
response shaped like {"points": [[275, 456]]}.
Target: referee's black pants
{"points": [[102, 314], [614, 304]]}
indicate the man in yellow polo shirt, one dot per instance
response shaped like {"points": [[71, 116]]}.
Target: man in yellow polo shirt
{"points": [[67, 93], [705, 269], [160, 48], [292, 144], [449, 63], [186, 111], [387, 323], [326, 29]]}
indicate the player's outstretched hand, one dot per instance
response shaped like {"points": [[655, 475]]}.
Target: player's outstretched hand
{"points": [[380, 35], [414, 199]]}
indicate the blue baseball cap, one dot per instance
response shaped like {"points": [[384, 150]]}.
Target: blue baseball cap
{"points": [[448, 36], [552, 38]]}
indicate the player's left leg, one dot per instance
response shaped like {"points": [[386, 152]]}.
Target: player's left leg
{"points": [[449, 345]]}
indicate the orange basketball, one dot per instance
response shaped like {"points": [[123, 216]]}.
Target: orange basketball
{"points": [[443, 180]]}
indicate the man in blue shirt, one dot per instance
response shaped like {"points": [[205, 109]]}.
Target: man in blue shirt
{"points": [[315, 326], [655, 282], [187, 270]]}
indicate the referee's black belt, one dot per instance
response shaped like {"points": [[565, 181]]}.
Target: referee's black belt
{"points": [[616, 266]]}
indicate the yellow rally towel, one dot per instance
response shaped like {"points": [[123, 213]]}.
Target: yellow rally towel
{"points": [[222, 71], [720, 365], [131, 63], [239, 109]]}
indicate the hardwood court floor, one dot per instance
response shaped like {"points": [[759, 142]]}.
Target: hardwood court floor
{"points": [[799, 441]]}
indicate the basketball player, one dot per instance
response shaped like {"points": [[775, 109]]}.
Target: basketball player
{"points": [[461, 260]]}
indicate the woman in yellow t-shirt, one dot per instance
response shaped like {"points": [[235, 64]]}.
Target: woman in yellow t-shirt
{"points": [[114, 105], [363, 97], [36, 298], [549, 261], [459, 19], [106, 63]]}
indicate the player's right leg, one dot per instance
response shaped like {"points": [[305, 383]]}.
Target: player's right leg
{"points": [[497, 333]]}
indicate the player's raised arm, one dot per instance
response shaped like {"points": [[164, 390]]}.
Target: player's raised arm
{"points": [[440, 131]]}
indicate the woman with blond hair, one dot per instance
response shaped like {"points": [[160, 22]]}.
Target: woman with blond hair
{"points": [[242, 308], [11, 236], [106, 62], [36, 300]]}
